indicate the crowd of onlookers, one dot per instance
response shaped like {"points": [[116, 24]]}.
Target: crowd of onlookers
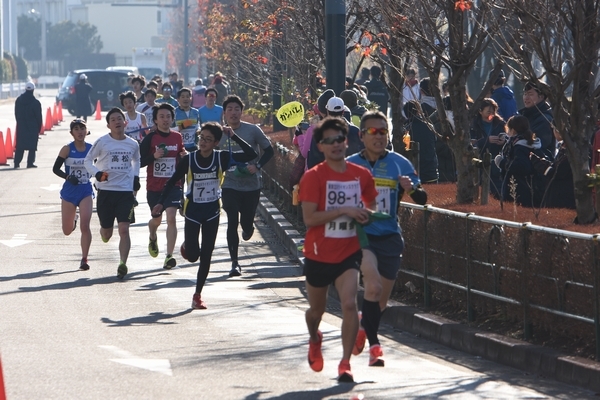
{"points": [[528, 157]]}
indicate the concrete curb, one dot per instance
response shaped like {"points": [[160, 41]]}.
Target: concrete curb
{"points": [[501, 349]]}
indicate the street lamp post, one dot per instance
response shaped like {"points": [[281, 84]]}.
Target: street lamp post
{"points": [[43, 44]]}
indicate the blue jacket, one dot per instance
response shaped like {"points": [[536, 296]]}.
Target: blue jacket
{"points": [[507, 105]]}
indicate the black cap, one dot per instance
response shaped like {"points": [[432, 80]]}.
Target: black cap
{"points": [[323, 99], [76, 122]]}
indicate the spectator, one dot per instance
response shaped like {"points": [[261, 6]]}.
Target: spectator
{"points": [[222, 90], [446, 164], [488, 133], [504, 97], [364, 76], [558, 177], [410, 90], [28, 113], [377, 91], [350, 99], [539, 115], [514, 162], [422, 133], [428, 104], [83, 103]]}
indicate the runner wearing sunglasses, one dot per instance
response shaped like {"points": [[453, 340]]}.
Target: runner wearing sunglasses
{"points": [[331, 194], [394, 175]]}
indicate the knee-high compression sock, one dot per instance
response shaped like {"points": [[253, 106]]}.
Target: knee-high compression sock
{"points": [[371, 314]]}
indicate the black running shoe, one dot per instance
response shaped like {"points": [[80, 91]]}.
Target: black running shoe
{"points": [[247, 235], [236, 270], [84, 265]]}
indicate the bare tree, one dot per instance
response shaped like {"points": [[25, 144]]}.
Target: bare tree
{"points": [[451, 35], [564, 36]]}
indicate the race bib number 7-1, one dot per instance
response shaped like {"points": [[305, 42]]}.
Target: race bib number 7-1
{"points": [[341, 194]]}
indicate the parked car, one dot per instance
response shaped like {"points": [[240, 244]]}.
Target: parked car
{"points": [[107, 86]]}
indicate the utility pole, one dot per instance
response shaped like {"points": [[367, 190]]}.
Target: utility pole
{"points": [[186, 72], [335, 44]]}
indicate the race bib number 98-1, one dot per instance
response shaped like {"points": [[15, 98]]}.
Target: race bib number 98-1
{"points": [[341, 194]]}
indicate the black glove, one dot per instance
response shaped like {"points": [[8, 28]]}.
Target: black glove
{"points": [[541, 165], [101, 177], [136, 183], [73, 180]]}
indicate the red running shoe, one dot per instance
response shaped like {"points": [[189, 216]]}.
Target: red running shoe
{"points": [[344, 372], [197, 303], [315, 357], [359, 345], [375, 354]]}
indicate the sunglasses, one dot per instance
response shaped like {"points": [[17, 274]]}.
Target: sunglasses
{"points": [[375, 131], [333, 139], [211, 95]]}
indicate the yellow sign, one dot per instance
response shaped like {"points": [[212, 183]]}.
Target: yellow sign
{"points": [[291, 114]]}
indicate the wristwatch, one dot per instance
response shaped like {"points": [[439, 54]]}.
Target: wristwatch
{"points": [[258, 165]]}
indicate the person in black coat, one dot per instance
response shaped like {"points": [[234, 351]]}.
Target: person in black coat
{"points": [[28, 113], [488, 133], [83, 103], [514, 163], [377, 91], [423, 133], [539, 114], [558, 177]]}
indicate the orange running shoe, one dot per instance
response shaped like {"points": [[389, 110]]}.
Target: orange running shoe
{"points": [[375, 354], [315, 357], [344, 372], [359, 344]]}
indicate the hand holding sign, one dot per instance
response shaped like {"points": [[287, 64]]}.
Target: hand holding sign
{"points": [[291, 114]]}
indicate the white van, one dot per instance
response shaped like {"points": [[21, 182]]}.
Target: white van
{"points": [[125, 68]]}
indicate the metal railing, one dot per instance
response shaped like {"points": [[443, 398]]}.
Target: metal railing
{"points": [[540, 275]]}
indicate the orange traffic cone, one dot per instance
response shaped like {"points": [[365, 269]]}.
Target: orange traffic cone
{"points": [[98, 110], [42, 130], [48, 125], [2, 389], [14, 142], [8, 146], [2, 151], [54, 115], [60, 116]]}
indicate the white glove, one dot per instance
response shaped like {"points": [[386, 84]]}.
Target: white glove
{"points": [[498, 160]]}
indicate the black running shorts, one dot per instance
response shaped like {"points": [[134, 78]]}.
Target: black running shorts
{"points": [[320, 274]]}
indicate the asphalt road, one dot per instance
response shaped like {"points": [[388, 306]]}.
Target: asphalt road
{"points": [[68, 334]]}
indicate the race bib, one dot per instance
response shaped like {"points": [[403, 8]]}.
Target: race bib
{"points": [[189, 136], [80, 173], [164, 167], [383, 199], [119, 160], [206, 191], [341, 194]]}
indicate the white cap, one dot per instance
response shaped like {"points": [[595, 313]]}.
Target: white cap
{"points": [[29, 86], [82, 76], [335, 104]]}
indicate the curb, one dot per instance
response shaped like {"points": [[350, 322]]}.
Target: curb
{"points": [[504, 350]]}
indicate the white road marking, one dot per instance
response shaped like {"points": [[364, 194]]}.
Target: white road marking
{"points": [[18, 239], [53, 187], [162, 366]]}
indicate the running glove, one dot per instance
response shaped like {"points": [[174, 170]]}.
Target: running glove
{"points": [[73, 180], [136, 183]]}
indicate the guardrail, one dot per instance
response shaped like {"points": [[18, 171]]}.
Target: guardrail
{"points": [[14, 89], [539, 276]]}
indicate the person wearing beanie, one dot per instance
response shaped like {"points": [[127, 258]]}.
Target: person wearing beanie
{"points": [[28, 113], [323, 99]]}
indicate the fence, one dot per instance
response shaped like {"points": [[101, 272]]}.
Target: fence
{"points": [[8, 90], [539, 276]]}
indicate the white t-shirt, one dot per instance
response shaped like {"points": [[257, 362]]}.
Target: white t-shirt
{"points": [[146, 109], [120, 158]]}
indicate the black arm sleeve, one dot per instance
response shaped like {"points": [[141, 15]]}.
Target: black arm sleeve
{"points": [[267, 154], [57, 167], [146, 157], [247, 153], [180, 171]]}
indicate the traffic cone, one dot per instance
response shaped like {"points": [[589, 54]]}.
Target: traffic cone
{"points": [[54, 115], [98, 110], [8, 146], [14, 142], [42, 130], [48, 125], [60, 116], [2, 152], [2, 389]]}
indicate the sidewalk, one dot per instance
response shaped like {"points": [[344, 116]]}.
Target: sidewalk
{"points": [[515, 353]]}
